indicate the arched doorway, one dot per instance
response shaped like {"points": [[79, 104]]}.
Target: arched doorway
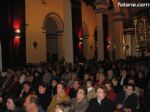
{"points": [[54, 28], [85, 35]]}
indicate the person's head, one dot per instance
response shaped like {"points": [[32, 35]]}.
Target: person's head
{"points": [[110, 73], [42, 88], [26, 86], [131, 81], [86, 76], [115, 81], [108, 85], [54, 82], [89, 83], [82, 93], [101, 92], [140, 75], [12, 103], [36, 74], [132, 72], [100, 76], [31, 103], [60, 88], [130, 89], [64, 106], [76, 84], [123, 73]]}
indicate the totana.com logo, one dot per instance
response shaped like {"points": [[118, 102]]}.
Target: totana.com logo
{"points": [[120, 4]]}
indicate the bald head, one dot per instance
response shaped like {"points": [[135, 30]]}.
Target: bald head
{"points": [[31, 103]]}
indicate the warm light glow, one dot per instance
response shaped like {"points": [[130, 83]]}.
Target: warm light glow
{"points": [[80, 42], [108, 47], [18, 31], [16, 41], [17, 36], [81, 39], [16, 24]]}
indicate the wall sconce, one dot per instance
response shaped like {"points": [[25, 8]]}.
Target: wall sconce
{"points": [[35, 44], [80, 40], [109, 45], [43, 2], [17, 33]]}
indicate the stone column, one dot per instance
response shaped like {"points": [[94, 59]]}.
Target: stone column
{"points": [[101, 7], [60, 46], [128, 39], [118, 24], [68, 41]]}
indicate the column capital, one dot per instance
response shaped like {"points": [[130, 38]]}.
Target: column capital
{"points": [[101, 6], [119, 16]]}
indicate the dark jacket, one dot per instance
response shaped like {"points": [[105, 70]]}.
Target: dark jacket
{"points": [[41, 110], [130, 102], [105, 106], [44, 100], [72, 93]]}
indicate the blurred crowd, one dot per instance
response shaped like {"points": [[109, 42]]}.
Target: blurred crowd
{"points": [[90, 86]]}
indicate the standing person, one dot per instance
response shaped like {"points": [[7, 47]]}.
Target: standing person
{"points": [[32, 104], [80, 103], [101, 103], [59, 97]]}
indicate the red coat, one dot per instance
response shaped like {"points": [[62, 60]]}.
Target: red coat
{"points": [[111, 95]]}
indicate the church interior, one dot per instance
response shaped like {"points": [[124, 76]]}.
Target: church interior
{"points": [[50, 38], [37, 31]]}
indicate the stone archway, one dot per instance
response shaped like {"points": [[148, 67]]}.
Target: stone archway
{"points": [[54, 28], [85, 37]]}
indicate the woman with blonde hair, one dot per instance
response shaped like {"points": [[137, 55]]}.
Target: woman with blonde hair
{"points": [[100, 78]]}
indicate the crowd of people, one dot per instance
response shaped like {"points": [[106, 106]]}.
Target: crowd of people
{"points": [[90, 86]]}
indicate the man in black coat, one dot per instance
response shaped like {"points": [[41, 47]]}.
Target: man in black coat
{"points": [[127, 100], [101, 103]]}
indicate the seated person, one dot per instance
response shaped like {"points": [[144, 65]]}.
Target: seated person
{"points": [[73, 91], [127, 100], [101, 103], [64, 106], [31, 104], [80, 103], [111, 95], [13, 104], [44, 95], [90, 89], [59, 97]]}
